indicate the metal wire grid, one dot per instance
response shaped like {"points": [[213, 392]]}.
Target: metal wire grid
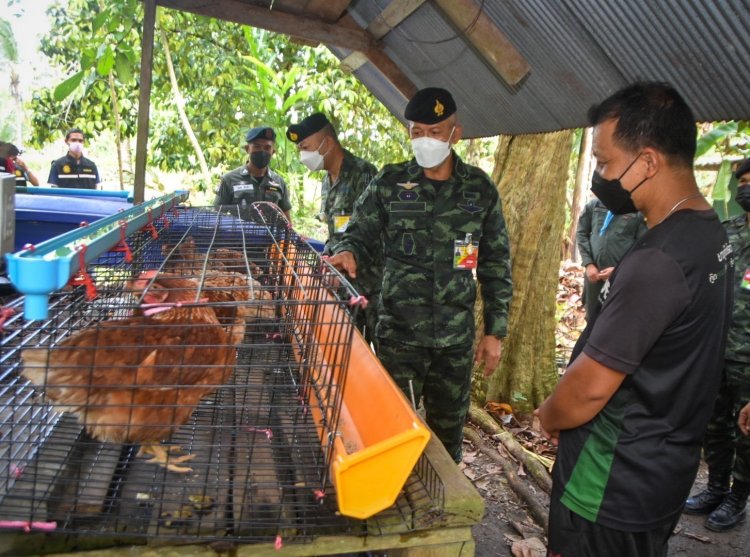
{"points": [[259, 459]]}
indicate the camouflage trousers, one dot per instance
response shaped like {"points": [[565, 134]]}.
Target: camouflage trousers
{"points": [[726, 450], [439, 376]]}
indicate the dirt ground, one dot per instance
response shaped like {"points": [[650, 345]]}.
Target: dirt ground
{"points": [[506, 519]]}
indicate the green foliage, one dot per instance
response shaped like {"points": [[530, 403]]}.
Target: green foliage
{"points": [[726, 139], [232, 77], [8, 47]]}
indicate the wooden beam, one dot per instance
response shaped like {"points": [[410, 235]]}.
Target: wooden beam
{"points": [[354, 61], [276, 21], [378, 58], [144, 99], [486, 38], [396, 12]]}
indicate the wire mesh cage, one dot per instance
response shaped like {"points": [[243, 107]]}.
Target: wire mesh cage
{"points": [[185, 386]]}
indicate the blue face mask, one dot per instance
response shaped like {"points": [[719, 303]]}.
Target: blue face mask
{"points": [[611, 193]]}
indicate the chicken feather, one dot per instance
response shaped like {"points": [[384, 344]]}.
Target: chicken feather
{"points": [[136, 380]]}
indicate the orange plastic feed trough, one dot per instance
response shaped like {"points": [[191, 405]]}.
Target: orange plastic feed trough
{"points": [[379, 437]]}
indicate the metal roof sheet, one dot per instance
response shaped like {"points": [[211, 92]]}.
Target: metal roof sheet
{"points": [[579, 51]]}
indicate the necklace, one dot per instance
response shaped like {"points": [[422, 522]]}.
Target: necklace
{"points": [[676, 205]]}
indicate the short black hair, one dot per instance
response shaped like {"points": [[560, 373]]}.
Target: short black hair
{"points": [[74, 130], [650, 114]]}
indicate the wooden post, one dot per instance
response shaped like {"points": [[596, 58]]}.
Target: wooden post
{"points": [[144, 99]]}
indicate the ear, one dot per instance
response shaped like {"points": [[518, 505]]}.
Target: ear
{"points": [[247, 148], [654, 161], [457, 134]]}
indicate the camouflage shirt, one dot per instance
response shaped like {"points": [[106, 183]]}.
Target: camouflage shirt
{"points": [[354, 176], [738, 339], [239, 187], [427, 297]]}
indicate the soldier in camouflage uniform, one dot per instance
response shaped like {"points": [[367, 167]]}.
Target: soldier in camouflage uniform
{"points": [[441, 222], [345, 179], [255, 181], [728, 454]]}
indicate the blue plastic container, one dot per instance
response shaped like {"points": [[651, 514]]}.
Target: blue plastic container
{"points": [[41, 217]]}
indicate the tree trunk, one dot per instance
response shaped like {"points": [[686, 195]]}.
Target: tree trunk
{"points": [[15, 91], [118, 136], [180, 103], [579, 197], [530, 172]]}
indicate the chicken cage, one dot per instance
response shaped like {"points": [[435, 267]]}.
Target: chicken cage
{"points": [[187, 376]]}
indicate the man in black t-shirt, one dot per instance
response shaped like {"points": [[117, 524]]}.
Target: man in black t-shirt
{"points": [[630, 411]]}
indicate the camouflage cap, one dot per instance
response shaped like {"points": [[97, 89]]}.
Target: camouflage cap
{"points": [[742, 169], [262, 132], [313, 123], [430, 106]]}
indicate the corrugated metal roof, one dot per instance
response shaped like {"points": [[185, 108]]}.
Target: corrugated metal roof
{"points": [[579, 51]]}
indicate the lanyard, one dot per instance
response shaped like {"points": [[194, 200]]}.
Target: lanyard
{"points": [[607, 220]]}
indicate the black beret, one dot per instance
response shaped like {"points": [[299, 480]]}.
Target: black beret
{"points": [[260, 133], [430, 106], [307, 127], [742, 169]]}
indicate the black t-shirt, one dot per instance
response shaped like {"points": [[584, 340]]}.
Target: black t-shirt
{"points": [[663, 324]]}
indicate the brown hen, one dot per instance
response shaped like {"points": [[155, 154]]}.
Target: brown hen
{"points": [[185, 258], [136, 380]]}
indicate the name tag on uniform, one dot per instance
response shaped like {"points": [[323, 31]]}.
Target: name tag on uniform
{"points": [[243, 187], [465, 253], [745, 284], [340, 222]]}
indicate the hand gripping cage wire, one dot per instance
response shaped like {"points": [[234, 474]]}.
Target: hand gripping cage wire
{"points": [[187, 385]]}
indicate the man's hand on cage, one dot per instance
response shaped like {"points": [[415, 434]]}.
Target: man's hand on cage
{"points": [[345, 261]]}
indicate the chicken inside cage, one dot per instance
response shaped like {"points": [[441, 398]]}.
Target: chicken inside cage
{"points": [[197, 396]]}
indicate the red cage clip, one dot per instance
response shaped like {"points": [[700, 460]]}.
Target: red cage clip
{"points": [[360, 301], [150, 226], [27, 526], [122, 245], [5, 314], [82, 277]]}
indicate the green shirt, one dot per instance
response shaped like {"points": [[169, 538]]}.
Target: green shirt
{"points": [[354, 176], [425, 300], [607, 249], [738, 339], [239, 187]]}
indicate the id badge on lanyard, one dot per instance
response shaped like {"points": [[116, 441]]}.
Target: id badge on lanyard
{"points": [[340, 222], [465, 253], [745, 284]]}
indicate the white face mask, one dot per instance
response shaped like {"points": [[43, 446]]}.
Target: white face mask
{"points": [[430, 152], [313, 160], [75, 147]]}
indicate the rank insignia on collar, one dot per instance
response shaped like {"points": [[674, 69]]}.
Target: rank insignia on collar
{"points": [[407, 185]]}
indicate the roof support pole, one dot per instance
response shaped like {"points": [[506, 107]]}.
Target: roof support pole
{"points": [[144, 99]]}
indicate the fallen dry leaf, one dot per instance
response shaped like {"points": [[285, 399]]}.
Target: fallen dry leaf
{"points": [[531, 547]]}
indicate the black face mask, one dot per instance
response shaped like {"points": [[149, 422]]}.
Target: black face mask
{"points": [[743, 197], [615, 198], [260, 159]]}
